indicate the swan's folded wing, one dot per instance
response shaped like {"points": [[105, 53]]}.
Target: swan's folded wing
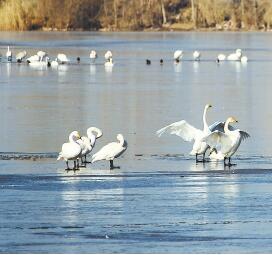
{"points": [[181, 129], [220, 127], [218, 140], [244, 135]]}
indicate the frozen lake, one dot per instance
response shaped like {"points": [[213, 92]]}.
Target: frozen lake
{"points": [[160, 201]]}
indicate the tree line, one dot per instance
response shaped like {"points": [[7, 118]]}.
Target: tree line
{"points": [[114, 15]]}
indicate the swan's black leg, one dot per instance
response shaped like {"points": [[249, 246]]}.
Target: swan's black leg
{"points": [[112, 166], [82, 162], [67, 168], [87, 162], [196, 157], [77, 161]]}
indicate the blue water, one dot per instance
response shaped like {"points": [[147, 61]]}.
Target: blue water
{"points": [[160, 201]]}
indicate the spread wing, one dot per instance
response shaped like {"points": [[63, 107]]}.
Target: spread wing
{"points": [[219, 126], [244, 135], [182, 129], [218, 140]]}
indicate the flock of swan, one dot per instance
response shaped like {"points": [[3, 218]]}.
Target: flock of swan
{"points": [[221, 138], [78, 147], [235, 56], [41, 58]]}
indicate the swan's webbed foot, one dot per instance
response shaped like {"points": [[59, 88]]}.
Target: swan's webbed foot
{"points": [[112, 166], [229, 164]]}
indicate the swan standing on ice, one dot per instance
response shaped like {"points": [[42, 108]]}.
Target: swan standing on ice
{"points": [[41, 54], [71, 150], [33, 58], [40, 63], [20, 56], [178, 54], [108, 55], [55, 63], [228, 141], [189, 133], [93, 56], [111, 151], [109, 63], [235, 56], [221, 57], [93, 133], [9, 55], [62, 58], [196, 56]]}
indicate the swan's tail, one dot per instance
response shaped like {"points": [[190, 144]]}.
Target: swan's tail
{"points": [[60, 156]]}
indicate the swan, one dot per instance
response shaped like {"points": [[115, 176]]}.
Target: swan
{"points": [[228, 141], [221, 57], [71, 150], [33, 58], [40, 63], [178, 54], [196, 55], [63, 58], [41, 54], [108, 55], [235, 56], [93, 133], [9, 54], [55, 63], [244, 59], [93, 55], [189, 133], [109, 63], [20, 56], [111, 151]]}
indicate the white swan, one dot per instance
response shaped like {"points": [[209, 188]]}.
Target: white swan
{"points": [[244, 59], [20, 56], [9, 55], [189, 133], [71, 150], [40, 63], [178, 54], [55, 63], [62, 58], [226, 143], [196, 55], [221, 57], [108, 55], [41, 54], [235, 56], [93, 133], [109, 63], [33, 58], [93, 55], [111, 151]]}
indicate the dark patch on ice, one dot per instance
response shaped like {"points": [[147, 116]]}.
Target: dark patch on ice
{"points": [[27, 156]]}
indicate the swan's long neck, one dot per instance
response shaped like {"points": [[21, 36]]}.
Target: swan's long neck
{"points": [[206, 127], [226, 127], [92, 138], [121, 140]]}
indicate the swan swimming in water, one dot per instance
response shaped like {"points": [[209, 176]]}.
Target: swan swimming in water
{"points": [[111, 151], [40, 63], [71, 150], [227, 141], [221, 57], [93, 55], [33, 58], [189, 133]]}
